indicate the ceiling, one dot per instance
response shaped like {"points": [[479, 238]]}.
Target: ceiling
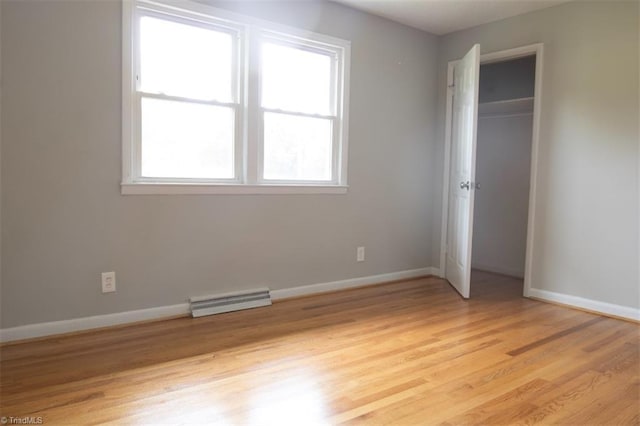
{"points": [[445, 16]]}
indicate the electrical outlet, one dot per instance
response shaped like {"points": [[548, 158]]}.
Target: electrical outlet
{"points": [[360, 254], [108, 282]]}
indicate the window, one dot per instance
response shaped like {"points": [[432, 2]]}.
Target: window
{"points": [[218, 103], [187, 105]]}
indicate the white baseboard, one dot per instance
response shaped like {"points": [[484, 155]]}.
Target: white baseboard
{"points": [[99, 321], [588, 304], [87, 323], [498, 270], [350, 283]]}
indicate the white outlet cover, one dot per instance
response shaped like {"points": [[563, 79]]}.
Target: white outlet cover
{"points": [[360, 254], [108, 282]]}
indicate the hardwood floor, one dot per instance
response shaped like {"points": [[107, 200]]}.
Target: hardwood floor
{"points": [[404, 353]]}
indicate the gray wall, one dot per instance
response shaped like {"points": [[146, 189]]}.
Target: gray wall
{"points": [[586, 239], [64, 220]]}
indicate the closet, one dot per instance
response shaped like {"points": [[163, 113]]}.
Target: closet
{"points": [[503, 159]]}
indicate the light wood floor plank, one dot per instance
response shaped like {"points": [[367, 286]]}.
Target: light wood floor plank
{"points": [[406, 353]]}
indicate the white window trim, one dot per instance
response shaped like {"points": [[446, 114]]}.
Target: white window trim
{"points": [[248, 163]]}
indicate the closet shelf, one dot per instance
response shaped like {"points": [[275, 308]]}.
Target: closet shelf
{"points": [[507, 107]]}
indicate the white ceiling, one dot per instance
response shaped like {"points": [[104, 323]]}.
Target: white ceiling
{"points": [[445, 16]]}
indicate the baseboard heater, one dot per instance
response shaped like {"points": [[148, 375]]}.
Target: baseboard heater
{"points": [[217, 304]]}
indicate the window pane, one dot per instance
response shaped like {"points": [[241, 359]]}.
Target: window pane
{"points": [[183, 60], [295, 79], [185, 140], [297, 148]]}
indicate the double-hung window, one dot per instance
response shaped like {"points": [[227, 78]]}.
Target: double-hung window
{"points": [[219, 103]]}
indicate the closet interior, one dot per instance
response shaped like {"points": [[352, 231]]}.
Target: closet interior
{"points": [[503, 163]]}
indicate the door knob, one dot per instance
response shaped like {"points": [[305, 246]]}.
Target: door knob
{"points": [[464, 185]]}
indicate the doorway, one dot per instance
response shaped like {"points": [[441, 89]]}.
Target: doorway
{"points": [[494, 232], [503, 164]]}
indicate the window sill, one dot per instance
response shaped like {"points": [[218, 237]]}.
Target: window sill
{"points": [[147, 188]]}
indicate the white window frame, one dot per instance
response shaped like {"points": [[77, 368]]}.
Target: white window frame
{"points": [[248, 149]]}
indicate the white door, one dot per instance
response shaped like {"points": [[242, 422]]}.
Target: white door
{"points": [[464, 120]]}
